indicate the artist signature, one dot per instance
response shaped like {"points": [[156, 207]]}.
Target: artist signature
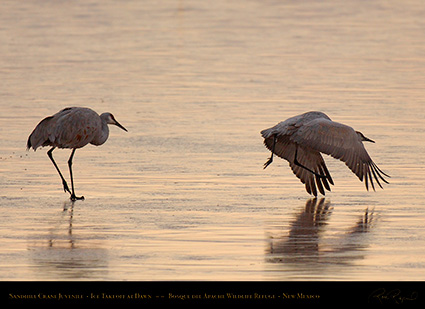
{"points": [[392, 296]]}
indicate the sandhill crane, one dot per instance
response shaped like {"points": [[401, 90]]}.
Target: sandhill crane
{"points": [[301, 139], [72, 127]]}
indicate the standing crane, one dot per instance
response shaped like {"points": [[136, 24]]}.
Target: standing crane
{"points": [[72, 127]]}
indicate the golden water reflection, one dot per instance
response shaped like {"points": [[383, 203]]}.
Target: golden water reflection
{"points": [[307, 244], [183, 195], [64, 254]]}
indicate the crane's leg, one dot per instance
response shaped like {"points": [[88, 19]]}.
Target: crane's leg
{"points": [[270, 160], [73, 197], [65, 185], [300, 165]]}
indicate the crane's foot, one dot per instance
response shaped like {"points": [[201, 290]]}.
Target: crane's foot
{"points": [[269, 161], [74, 198]]}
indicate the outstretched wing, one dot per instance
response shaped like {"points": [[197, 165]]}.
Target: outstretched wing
{"points": [[341, 142], [309, 158]]}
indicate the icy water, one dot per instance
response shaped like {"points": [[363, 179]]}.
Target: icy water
{"points": [[183, 195]]}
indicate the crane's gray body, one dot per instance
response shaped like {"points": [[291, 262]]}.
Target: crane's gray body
{"points": [[301, 139]]}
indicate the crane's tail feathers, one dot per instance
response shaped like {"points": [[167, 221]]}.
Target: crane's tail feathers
{"points": [[29, 143], [40, 135], [267, 133]]}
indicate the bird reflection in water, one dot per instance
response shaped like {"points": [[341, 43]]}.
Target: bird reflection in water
{"points": [[68, 208], [306, 243], [67, 255]]}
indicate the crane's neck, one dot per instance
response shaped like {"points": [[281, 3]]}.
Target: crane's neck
{"points": [[102, 136]]}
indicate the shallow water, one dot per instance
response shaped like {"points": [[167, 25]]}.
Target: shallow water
{"points": [[182, 195]]}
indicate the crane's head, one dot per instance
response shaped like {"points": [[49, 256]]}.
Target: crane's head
{"points": [[110, 119], [363, 138]]}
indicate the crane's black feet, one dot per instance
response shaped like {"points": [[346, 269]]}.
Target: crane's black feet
{"points": [[269, 161], [74, 198]]}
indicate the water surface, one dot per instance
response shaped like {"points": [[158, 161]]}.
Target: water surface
{"points": [[182, 195]]}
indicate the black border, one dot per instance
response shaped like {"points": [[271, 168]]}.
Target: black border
{"points": [[15, 293]]}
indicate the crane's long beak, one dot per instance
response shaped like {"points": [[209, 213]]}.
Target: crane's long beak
{"points": [[120, 126], [365, 138]]}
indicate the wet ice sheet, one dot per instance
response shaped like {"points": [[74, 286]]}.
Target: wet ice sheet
{"points": [[183, 194]]}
